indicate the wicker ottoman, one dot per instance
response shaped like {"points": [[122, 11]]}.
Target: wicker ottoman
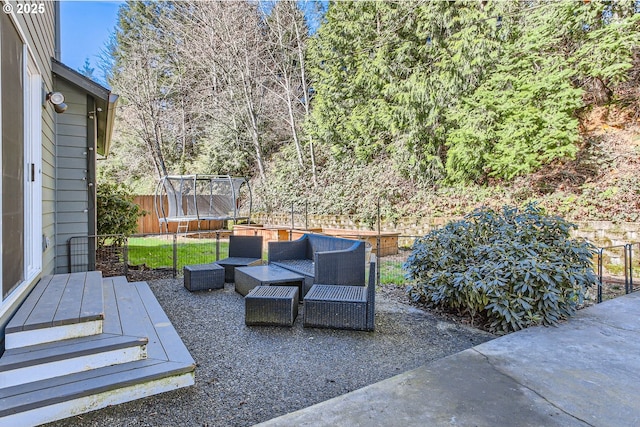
{"points": [[203, 276], [339, 307], [271, 306]]}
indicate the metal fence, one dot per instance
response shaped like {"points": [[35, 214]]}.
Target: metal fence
{"points": [[616, 267], [155, 256], [147, 256]]}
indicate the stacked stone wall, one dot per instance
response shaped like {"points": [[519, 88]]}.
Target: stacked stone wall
{"points": [[600, 233]]}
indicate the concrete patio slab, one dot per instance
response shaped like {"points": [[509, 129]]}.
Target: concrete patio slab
{"points": [[585, 372]]}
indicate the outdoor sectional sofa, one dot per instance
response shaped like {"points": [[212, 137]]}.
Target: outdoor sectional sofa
{"points": [[321, 259]]}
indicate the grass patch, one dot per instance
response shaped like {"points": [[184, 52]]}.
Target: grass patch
{"points": [[157, 252], [392, 273], [615, 269]]}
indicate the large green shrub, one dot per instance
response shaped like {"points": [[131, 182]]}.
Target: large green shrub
{"points": [[117, 214], [513, 269]]}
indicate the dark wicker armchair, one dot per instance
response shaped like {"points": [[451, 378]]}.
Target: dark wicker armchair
{"points": [[243, 251], [342, 307]]}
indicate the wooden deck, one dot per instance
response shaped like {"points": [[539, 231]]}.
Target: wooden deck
{"points": [[60, 307], [136, 353], [61, 300]]}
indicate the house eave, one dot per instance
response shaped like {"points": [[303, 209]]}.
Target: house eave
{"points": [[105, 103]]}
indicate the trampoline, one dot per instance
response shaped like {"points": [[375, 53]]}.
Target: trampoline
{"points": [[185, 198]]}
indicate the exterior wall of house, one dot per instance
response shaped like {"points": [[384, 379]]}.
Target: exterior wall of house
{"points": [[38, 32], [72, 191]]}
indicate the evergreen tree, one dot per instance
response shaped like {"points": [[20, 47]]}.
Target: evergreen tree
{"points": [[524, 115], [87, 70], [386, 75]]}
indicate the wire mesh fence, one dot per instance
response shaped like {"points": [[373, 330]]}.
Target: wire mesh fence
{"points": [[148, 256], [154, 256]]}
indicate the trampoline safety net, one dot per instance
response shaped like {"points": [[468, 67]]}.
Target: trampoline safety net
{"points": [[182, 198]]}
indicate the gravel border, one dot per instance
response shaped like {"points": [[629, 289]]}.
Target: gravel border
{"points": [[247, 375]]}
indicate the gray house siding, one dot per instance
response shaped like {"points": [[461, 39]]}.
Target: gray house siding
{"points": [[72, 191], [81, 132]]}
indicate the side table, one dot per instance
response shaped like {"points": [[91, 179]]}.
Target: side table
{"points": [[203, 276], [271, 305]]}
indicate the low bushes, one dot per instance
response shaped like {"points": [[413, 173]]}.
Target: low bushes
{"points": [[116, 212], [512, 268]]}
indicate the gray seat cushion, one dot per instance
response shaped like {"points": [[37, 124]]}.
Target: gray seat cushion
{"points": [[300, 266]]}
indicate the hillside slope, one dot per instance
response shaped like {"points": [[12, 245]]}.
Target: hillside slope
{"points": [[601, 183]]}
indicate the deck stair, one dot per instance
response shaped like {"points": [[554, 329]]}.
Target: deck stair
{"points": [[80, 342]]}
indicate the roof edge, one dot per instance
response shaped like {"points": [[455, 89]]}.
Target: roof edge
{"points": [[85, 83]]}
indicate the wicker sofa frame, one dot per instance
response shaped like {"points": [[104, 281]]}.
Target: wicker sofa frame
{"points": [[321, 260], [244, 251], [342, 307]]}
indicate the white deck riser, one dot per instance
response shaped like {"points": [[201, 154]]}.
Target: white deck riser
{"points": [[52, 334], [73, 365], [90, 403]]}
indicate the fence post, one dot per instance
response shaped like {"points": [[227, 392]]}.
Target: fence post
{"points": [[292, 224], [631, 264], [175, 254], [628, 271], [599, 297], [217, 245], [126, 255], [378, 248]]}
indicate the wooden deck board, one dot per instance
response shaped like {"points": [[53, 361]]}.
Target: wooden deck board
{"points": [[20, 399], [120, 280], [169, 338], [44, 385], [111, 324], [128, 304], [67, 311], [51, 352], [135, 320], [19, 319], [61, 299], [92, 299], [42, 315]]}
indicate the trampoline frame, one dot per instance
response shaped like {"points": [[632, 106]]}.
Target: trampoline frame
{"points": [[184, 203]]}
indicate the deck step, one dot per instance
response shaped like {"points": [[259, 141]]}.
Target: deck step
{"points": [[130, 311], [61, 306], [62, 397], [43, 361]]}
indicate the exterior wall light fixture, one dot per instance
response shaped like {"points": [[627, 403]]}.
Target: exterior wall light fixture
{"points": [[57, 100]]}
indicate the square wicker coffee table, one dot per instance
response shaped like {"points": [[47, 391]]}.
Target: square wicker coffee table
{"points": [[248, 278], [271, 306]]}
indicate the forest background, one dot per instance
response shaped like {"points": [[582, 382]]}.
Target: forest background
{"points": [[434, 107]]}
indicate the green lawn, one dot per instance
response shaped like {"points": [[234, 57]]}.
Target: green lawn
{"points": [[391, 272], [157, 252]]}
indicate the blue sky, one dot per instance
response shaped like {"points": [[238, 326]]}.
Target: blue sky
{"points": [[86, 26], [85, 29]]}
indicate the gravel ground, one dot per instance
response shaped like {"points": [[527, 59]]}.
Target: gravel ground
{"points": [[246, 375]]}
